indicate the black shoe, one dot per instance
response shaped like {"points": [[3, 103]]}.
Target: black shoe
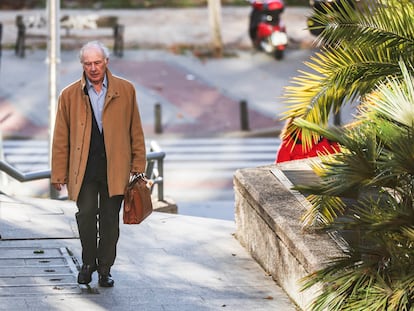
{"points": [[105, 280], [85, 274]]}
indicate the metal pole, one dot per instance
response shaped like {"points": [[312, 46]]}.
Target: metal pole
{"points": [[244, 116], [53, 43], [158, 118]]}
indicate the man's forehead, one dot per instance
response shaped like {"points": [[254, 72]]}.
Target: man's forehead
{"points": [[93, 54]]}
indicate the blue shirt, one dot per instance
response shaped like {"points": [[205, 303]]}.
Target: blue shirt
{"points": [[97, 100]]}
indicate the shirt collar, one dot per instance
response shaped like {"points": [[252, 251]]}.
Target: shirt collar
{"points": [[104, 83]]}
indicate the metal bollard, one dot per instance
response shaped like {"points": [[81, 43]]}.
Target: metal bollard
{"points": [[158, 118], [244, 116], [21, 37], [119, 40]]}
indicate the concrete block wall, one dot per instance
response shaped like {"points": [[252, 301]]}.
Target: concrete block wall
{"points": [[268, 220]]}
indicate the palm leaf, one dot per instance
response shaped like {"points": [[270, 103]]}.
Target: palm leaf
{"points": [[375, 272], [408, 232], [394, 98], [389, 24], [367, 50]]}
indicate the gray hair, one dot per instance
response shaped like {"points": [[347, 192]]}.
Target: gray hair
{"points": [[94, 45]]}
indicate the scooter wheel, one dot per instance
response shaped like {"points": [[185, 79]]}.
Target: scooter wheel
{"points": [[279, 54]]}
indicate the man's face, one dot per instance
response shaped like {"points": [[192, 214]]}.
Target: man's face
{"points": [[94, 64]]}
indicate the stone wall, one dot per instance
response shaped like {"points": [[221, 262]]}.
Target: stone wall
{"points": [[268, 220]]}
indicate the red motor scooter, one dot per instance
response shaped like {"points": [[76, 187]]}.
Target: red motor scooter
{"points": [[266, 29]]}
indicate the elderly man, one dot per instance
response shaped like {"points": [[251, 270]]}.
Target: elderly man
{"points": [[98, 142]]}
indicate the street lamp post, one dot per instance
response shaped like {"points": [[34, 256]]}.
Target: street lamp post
{"points": [[53, 43]]}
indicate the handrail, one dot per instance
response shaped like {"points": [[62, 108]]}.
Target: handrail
{"points": [[23, 177], [155, 173]]}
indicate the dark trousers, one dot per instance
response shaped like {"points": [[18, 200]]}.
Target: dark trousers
{"points": [[98, 224]]}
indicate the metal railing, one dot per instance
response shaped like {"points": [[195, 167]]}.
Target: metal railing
{"points": [[154, 170], [23, 177]]}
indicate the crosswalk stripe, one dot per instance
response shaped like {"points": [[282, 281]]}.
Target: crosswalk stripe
{"points": [[202, 170], [196, 170], [185, 155]]}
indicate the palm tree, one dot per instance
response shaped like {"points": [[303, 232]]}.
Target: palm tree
{"points": [[366, 190], [376, 170]]}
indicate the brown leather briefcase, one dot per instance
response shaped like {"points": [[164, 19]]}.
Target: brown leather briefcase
{"points": [[137, 200]]}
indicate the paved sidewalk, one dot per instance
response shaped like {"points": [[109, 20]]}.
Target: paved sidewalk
{"points": [[168, 263]]}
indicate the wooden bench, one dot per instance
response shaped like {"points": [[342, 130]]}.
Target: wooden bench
{"points": [[34, 27]]}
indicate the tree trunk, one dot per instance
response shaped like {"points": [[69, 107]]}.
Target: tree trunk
{"points": [[214, 9]]}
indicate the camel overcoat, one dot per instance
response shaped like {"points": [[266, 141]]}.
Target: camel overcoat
{"points": [[123, 136]]}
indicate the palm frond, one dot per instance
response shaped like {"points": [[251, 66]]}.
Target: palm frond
{"points": [[362, 50], [375, 272], [324, 210], [336, 78], [408, 232], [394, 98], [372, 24]]}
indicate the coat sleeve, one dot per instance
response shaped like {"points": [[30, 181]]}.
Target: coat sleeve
{"points": [[60, 146], [138, 152]]}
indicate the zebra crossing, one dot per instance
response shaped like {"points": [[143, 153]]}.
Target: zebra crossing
{"points": [[198, 172], [26, 155]]}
